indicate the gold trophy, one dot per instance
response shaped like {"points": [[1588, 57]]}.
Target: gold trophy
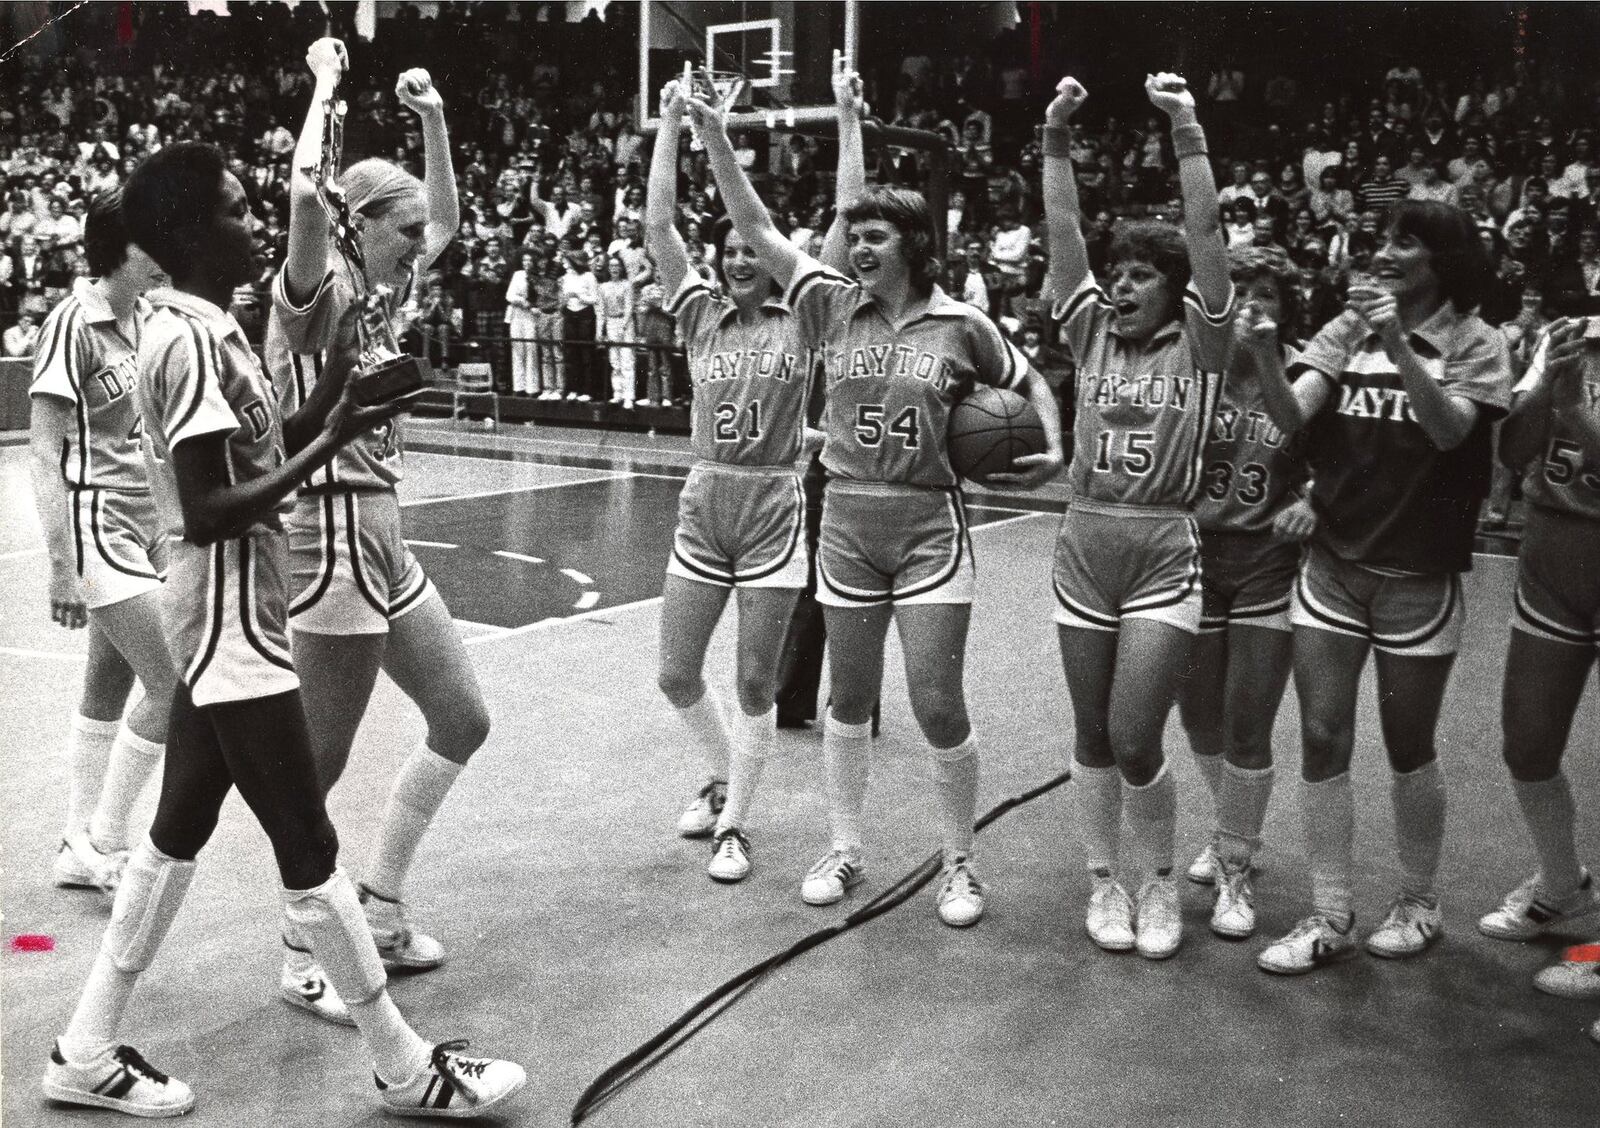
{"points": [[383, 373]]}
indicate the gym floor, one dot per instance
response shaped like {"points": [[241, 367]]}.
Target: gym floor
{"points": [[579, 924]]}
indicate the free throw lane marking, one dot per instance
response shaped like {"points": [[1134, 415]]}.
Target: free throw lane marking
{"points": [[524, 557]]}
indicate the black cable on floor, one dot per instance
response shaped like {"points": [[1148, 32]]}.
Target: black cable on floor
{"points": [[630, 1068]]}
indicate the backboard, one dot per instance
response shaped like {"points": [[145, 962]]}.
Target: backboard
{"points": [[783, 47]]}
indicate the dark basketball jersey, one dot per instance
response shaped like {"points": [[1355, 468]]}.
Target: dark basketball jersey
{"points": [[1385, 496]]}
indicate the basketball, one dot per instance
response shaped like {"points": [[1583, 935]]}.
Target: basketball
{"points": [[990, 428]]}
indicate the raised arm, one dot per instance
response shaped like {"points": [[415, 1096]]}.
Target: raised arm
{"points": [[661, 237], [306, 260], [1202, 215], [415, 88], [1554, 384], [1063, 215], [745, 209], [850, 182]]}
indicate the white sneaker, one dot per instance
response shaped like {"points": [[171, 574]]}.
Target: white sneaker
{"points": [[1572, 978], [827, 881], [1158, 919], [399, 945], [699, 818], [1529, 910], [960, 896], [1205, 867], [1233, 915], [310, 990], [1411, 927], [453, 1085], [730, 856], [1109, 921], [1314, 942], [118, 1079], [80, 865]]}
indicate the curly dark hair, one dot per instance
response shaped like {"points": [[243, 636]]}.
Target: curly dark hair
{"points": [[170, 200], [1153, 241], [1254, 264]]}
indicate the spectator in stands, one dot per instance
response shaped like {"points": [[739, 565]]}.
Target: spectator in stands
{"points": [[1239, 187], [1240, 229], [18, 220], [1330, 202], [657, 331], [1574, 180], [615, 317], [1382, 189], [967, 278], [1008, 254], [22, 339], [1435, 185], [521, 327], [549, 324], [580, 294]]}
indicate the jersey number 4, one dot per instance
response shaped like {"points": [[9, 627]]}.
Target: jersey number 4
{"points": [[727, 427], [870, 429], [1249, 481]]}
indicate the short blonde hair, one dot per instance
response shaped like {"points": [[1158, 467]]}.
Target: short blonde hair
{"points": [[373, 186]]}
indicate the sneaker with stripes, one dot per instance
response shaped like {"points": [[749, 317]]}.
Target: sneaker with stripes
{"points": [[453, 1085], [829, 878], [1530, 909], [960, 897], [120, 1079], [400, 946], [699, 818], [310, 990]]}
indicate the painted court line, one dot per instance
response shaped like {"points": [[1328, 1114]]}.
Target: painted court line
{"points": [[524, 557], [577, 577], [432, 544], [560, 620], [516, 490]]}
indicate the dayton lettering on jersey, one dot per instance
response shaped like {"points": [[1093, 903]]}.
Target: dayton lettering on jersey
{"points": [[119, 379], [1228, 423], [1366, 401], [738, 364], [1151, 389], [887, 361]]}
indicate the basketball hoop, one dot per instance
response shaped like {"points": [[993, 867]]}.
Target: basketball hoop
{"points": [[723, 89]]}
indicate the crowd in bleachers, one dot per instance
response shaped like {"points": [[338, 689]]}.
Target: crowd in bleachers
{"points": [[549, 160]]}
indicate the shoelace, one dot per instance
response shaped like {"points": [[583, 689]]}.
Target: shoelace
{"points": [[727, 840], [130, 1059], [960, 881], [449, 1061], [836, 865]]}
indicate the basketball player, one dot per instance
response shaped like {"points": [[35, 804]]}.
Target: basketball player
{"points": [[1252, 517], [897, 353], [1553, 430], [1150, 358], [107, 551], [222, 463], [1397, 397], [360, 600], [741, 515]]}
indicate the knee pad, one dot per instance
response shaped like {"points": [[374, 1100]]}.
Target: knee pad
{"points": [[329, 917], [152, 890]]}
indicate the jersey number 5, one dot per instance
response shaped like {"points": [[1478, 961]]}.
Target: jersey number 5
{"points": [[870, 429], [1564, 462], [727, 427]]}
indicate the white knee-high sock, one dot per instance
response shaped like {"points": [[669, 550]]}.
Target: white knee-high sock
{"points": [[1550, 813], [152, 890], [1419, 806], [1211, 771], [1152, 823], [846, 754], [330, 917], [88, 752], [955, 774], [133, 760], [1241, 811], [753, 741], [1328, 807], [1097, 794], [708, 723], [418, 790]]}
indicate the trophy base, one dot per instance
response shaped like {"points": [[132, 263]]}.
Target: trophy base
{"points": [[397, 378]]}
